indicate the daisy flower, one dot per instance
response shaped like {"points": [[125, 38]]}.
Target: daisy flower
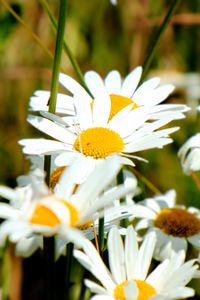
{"points": [[35, 210], [175, 226], [189, 154], [121, 93], [128, 278], [94, 136], [126, 92]]}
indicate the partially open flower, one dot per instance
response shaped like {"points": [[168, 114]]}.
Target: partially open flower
{"points": [[189, 154], [41, 212]]}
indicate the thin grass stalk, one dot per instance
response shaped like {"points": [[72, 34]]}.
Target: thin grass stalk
{"points": [[158, 36], [65, 45], [147, 182], [23, 23]]}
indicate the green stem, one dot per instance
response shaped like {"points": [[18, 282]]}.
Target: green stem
{"points": [[120, 180], [21, 21], [196, 179], [158, 35], [49, 268], [65, 46], [58, 54], [101, 235], [148, 183], [70, 248]]}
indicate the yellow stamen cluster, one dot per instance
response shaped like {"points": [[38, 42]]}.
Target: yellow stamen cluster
{"points": [[145, 290], [119, 102], [99, 142], [177, 222]]}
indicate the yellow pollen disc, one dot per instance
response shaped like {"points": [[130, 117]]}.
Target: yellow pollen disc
{"points": [[119, 102], [145, 290], [177, 222], [43, 215], [55, 176], [99, 142]]}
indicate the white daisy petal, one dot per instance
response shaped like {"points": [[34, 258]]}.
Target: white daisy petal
{"points": [[180, 293], [52, 129], [131, 81], [25, 247], [144, 90], [94, 287], [145, 255], [131, 291], [131, 253], [41, 146], [83, 111], [116, 256], [113, 82], [72, 85]]}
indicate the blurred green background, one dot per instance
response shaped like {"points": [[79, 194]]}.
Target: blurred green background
{"points": [[102, 37]]}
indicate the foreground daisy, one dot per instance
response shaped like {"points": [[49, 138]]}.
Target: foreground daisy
{"points": [[35, 210], [175, 226], [94, 137], [189, 154], [129, 266]]}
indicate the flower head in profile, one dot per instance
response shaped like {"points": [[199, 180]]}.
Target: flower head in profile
{"points": [[35, 210], [189, 154], [129, 278], [174, 225]]}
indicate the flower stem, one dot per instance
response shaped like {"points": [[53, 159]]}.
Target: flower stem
{"points": [[23, 23], [196, 179], [49, 268], [101, 235], [65, 45], [70, 248], [158, 35], [148, 183], [120, 180]]}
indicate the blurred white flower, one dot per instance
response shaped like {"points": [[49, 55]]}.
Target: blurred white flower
{"points": [[34, 210], [189, 154]]}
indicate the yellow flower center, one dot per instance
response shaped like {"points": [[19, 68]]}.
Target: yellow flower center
{"points": [[177, 222], [58, 212], [145, 290], [119, 102], [99, 142]]}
